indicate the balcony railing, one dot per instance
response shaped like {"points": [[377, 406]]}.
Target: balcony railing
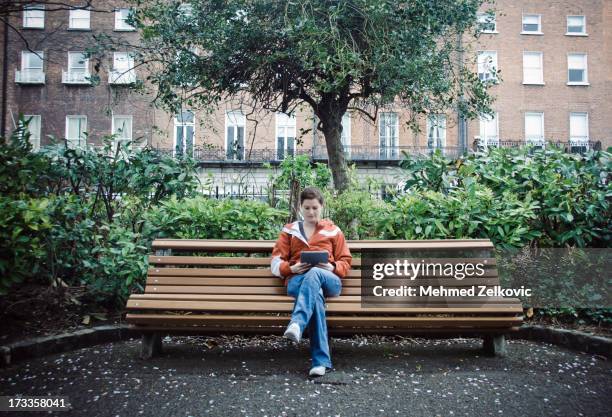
{"points": [[353, 153], [30, 77], [386, 153], [72, 77], [572, 145], [121, 77]]}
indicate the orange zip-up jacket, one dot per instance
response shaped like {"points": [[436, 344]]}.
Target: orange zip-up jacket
{"points": [[290, 244]]}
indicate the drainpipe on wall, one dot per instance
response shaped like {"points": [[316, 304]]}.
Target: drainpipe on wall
{"points": [[4, 78], [461, 122]]}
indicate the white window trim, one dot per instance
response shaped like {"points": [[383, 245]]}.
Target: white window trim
{"points": [[583, 33], [85, 131], [588, 136], [41, 54], [494, 64], [30, 7], [35, 145], [70, 20], [541, 68], [494, 22], [586, 69], [126, 116], [177, 123], [538, 32], [392, 148], [277, 116], [127, 27], [539, 113], [348, 130], [225, 133], [445, 130], [485, 139]]}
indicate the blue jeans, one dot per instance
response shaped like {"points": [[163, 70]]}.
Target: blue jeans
{"points": [[309, 290]]}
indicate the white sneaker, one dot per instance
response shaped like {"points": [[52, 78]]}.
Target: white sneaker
{"points": [[317, 371], [293, 332]]}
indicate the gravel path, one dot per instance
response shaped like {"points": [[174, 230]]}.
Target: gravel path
{"points": [[374, 376]]}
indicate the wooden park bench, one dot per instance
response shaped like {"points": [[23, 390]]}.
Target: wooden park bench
{"points": [[238, 294]]}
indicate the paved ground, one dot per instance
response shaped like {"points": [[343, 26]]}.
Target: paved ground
{"points": [[263, 376]]}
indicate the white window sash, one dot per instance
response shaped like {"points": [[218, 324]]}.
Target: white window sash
{"points": [[579, 127], [34, 16], [79, 19], [533, 72], [534, 127], [80, 124]]}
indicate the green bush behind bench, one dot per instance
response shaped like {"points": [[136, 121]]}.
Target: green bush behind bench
{"points": [[89, 217]]}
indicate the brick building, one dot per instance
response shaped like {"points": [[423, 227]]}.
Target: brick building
{"points": [[553, 85]]}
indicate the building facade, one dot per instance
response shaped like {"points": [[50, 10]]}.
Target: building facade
{"points": [[549, 63]]}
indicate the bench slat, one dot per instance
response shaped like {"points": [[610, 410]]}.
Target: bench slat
{"points": [[332, 321], [288, 306], [257, 261], [216, 245], [266, 273]]}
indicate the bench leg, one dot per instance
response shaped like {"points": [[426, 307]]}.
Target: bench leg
{"points": [[151, 345], [495, 345]]}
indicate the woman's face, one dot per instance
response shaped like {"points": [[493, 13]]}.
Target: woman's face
{"points": [[311, 210]]}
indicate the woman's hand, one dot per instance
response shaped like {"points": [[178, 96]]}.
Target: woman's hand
{"points": [[300, 268], [327, 266]]}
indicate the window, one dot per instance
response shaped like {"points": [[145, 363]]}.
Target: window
{"points": [[123, 69], [78, 69], [533, 72], [487, 23], [576, 25], [389, 135], [122, 130], [34, 16], [285, 135], [577, 69], [487, 66], [33, 127], [436, 131], [184, 131], [31, 68], [534, 128], [345, 136], [579, 128], [121, 17], [234, 139], [79, 19], [76, 126], [532, 24], [489, 130]]}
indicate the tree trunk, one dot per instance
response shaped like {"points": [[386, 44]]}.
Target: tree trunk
{"points": [[332, 130]]}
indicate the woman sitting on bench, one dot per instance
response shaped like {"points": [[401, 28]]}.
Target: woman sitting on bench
{"points": [[310, 283]]}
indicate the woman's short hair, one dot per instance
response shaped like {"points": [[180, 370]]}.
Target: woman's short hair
{"points": [[310, 193]]}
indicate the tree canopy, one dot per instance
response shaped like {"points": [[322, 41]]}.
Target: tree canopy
{"points": [[333, 55]]}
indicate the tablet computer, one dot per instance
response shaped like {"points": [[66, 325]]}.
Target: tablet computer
{"points": [[314, 257]]}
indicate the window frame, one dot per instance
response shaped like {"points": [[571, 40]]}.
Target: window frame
{"points": [[279, 116], [531, 32], [481, 19], [124, 26], [117, 140], [538, 141], [485, 138], [567, 26], [35, 145], [585, 78], [386, 150], [180, 121], [428, 126], [541, 67], [494, 64], [69, 140], [347, 120], [574, 141], [242, 118], [70, 19], [34, 7]]}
